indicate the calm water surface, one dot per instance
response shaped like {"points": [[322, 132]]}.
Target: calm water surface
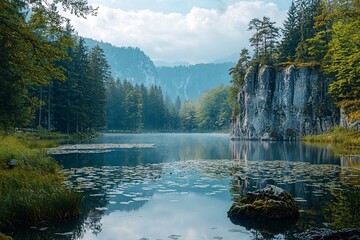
{"points": [[183, 187]]}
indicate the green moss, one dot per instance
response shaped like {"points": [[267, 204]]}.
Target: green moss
{"points": [[264, 207], [4, 237]]}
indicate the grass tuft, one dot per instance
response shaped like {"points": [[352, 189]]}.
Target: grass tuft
{"points": [[33, 190], [346, 136], [343, 141]]}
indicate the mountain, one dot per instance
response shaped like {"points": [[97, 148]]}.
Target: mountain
{"points": [[186, 81], [160, 63], [128, 63], [190, 82], [233, 58]]}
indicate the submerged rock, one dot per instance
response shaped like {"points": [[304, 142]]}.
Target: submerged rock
{"points": [[327, 234], [269, 203]]}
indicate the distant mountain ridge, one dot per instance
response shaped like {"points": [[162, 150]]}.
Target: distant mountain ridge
{"points": [[186, 81], [128, 63], [190, 82], [233, 58]]}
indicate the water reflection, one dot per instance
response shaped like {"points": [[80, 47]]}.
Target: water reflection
{"points": [[171, 192], [278, 150], [169, 148]]}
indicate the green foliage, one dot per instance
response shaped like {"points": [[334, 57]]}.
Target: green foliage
{"points": [[316, 33], [136, 108], [12, 148], [29, 50], [291, 36], [237, 78], [343, 58], [187, 116], [36, 203], [33, 40], [33, 190], [213, 111], [79, 103], [264, 40], [346, 136]]}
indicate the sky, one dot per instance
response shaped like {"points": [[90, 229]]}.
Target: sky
{"points": [[193, 31]]}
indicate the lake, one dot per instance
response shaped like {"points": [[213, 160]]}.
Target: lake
{"points": [[180, 186]]}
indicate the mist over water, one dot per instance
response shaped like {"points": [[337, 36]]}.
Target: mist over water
{"points": [[183, 187]]}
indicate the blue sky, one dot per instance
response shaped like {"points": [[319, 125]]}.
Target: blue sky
{"points": [[194, 31]]}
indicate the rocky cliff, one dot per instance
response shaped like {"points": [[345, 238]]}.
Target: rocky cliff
{"points": [[283, 105]]}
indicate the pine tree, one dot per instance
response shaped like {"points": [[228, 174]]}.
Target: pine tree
{"points": [[264, 40], [133, 110], [99, 74], [306, 13], [318, 45], [269, 34], [291, 36], [255, 40]]}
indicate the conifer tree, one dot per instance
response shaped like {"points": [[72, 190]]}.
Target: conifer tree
{"points": [[99, 74], [237, 78]]}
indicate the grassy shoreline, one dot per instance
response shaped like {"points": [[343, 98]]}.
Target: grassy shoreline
{"points": [[346, 136], [32, 191], [344, 141]]}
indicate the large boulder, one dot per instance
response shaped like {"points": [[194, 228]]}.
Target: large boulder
{"points": [[269, 203]]}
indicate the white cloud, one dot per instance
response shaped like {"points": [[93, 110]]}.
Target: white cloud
{"points": [[201, 35]]}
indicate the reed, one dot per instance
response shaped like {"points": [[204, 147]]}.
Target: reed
{"points": [[33, 191], [347, 137]]}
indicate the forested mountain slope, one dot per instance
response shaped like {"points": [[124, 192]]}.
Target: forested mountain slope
{"points": [[128, 63], [189, 82]]}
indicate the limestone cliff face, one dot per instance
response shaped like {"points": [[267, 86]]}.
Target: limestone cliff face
{"points": [[283, 105]]}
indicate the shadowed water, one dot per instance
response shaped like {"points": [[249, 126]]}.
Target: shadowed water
{"points": [[183, 187]]}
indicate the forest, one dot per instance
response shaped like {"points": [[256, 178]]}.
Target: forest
{"points": [[51, 80], [124, 184], [320, 34]]}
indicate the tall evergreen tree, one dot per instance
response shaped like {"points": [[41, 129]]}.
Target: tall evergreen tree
{"points": [[99, 74], [306, 13], [291, 36], [264, 40], [255, 40]]}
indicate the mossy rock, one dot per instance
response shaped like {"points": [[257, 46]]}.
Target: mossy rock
{"points": [[4, 237], [269, 203]]}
